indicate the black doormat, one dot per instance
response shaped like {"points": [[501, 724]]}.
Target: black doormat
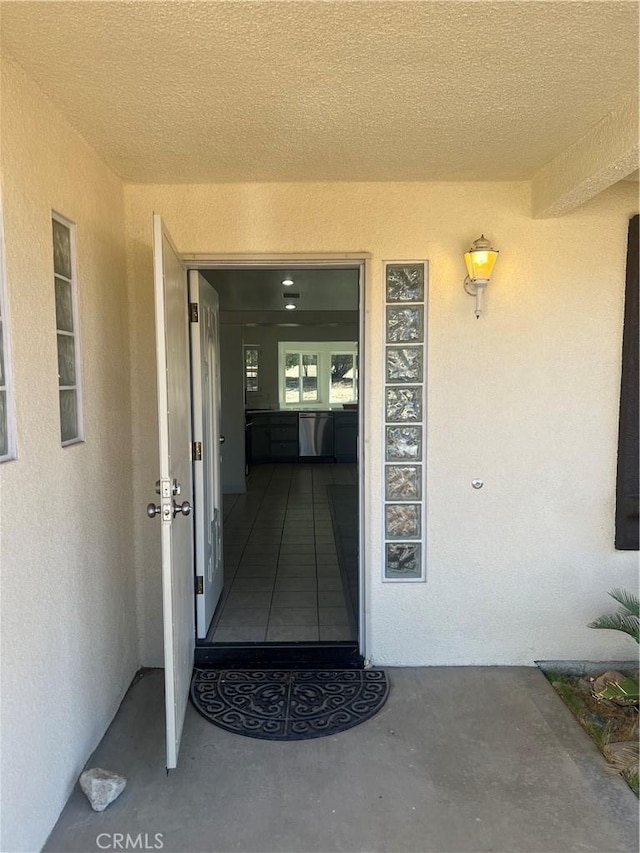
{"points": [[288, 704]]}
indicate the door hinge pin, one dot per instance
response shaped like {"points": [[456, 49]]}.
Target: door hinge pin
{"points": [[196, 451], [200, 584], [193, 312]]}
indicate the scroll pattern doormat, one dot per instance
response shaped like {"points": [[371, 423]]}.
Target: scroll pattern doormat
{"points": [[288, 704]]}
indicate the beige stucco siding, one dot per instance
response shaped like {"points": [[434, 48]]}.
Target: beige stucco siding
{"points": [[69, 642], [525, 398]]}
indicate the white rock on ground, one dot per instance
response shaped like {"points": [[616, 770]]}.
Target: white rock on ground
{"points": [[101, 787]]}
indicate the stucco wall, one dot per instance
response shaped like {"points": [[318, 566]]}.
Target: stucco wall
{"points": [[69, 640], [525, 398]]}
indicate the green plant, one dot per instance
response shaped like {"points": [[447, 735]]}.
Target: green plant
{"points": [[627, 689], [626, 619]]}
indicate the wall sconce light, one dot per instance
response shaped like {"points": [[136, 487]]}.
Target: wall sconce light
{"points": [[480, 260]]}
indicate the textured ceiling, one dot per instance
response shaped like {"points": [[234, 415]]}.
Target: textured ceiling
{"points": [[328, 91]]}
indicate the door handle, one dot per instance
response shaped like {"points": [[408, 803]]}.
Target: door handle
{"points": [[222, 439], [184, 508]]}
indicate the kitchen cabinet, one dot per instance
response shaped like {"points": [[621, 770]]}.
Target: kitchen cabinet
{"points": [[272, 437], [345, 436]]}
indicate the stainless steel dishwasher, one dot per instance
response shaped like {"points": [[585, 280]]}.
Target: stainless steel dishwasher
{"points": [[315, 433]]}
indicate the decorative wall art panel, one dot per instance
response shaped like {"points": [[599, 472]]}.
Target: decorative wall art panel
{"points": [[402, 521], [403, 483], [405, 400], [405, 364], [403, 561], [405, 323], [405, 282], [404, 404]]}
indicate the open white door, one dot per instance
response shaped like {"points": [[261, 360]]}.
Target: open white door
{"points": [[175, 484], [205, 378]]}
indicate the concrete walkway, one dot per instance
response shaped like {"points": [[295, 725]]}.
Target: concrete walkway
{"points": [[460, 759]]}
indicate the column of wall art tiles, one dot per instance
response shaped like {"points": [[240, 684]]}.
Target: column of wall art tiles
{"points": [[405, 336]]}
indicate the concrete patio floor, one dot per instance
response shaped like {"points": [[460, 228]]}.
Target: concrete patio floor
{"points": [[460, 759]]}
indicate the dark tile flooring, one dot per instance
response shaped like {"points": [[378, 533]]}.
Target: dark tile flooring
{"points": [[282, 578]]}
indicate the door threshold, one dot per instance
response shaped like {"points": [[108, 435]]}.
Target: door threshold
{"points": [[327, 655]]}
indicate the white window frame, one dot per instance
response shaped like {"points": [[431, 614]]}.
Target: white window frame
{"points": [[7, 386], [324, 350], [73, 281]]}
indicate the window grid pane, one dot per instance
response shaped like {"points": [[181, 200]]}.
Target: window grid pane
{"points": [[2, 380], [66, 361], [64, 285], [343, 378], [4, 433], [309, 377], [68, 415], [64, 305], [61, 249]]}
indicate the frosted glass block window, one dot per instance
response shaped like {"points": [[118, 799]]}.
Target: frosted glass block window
{"points": [[7, 430], [405, 323], [404, 410], [67, 330]]}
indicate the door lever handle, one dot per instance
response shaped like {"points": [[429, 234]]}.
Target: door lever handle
{"points": [[184, 508], [222, 439]]}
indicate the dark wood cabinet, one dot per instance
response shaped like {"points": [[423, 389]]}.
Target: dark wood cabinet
{"points": [[272, 437], [258, 438], [345, 436]]}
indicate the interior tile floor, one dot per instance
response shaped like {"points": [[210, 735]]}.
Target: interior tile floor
{"points": [[283, 581]]}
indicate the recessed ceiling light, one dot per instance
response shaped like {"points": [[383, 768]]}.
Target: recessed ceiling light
{"points": [[287, 282], [290, 306]]}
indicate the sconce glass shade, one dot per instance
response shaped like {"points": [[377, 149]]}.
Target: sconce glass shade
{"points": [[480, 260]]}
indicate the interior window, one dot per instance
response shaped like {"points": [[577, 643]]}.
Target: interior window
{"points": [[251, 368], [318, 372]]}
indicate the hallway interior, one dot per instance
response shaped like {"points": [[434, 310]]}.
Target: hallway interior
{"points": [[286, 575]]}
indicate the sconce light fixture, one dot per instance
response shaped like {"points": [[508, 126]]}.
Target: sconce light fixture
{"points": [[480, 260]]}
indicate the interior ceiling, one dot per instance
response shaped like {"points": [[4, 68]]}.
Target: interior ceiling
{"points": [[262, 290], [171, 91]]}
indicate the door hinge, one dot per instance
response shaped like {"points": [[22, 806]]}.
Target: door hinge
{"points": [[196, 451], [193, 312], [199, 584]]}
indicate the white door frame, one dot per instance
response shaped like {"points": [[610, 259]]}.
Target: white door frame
{"points": [[361, 261], [207, 491]]}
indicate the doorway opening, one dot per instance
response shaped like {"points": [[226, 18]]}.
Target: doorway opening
{"points": [[291, 393]]}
